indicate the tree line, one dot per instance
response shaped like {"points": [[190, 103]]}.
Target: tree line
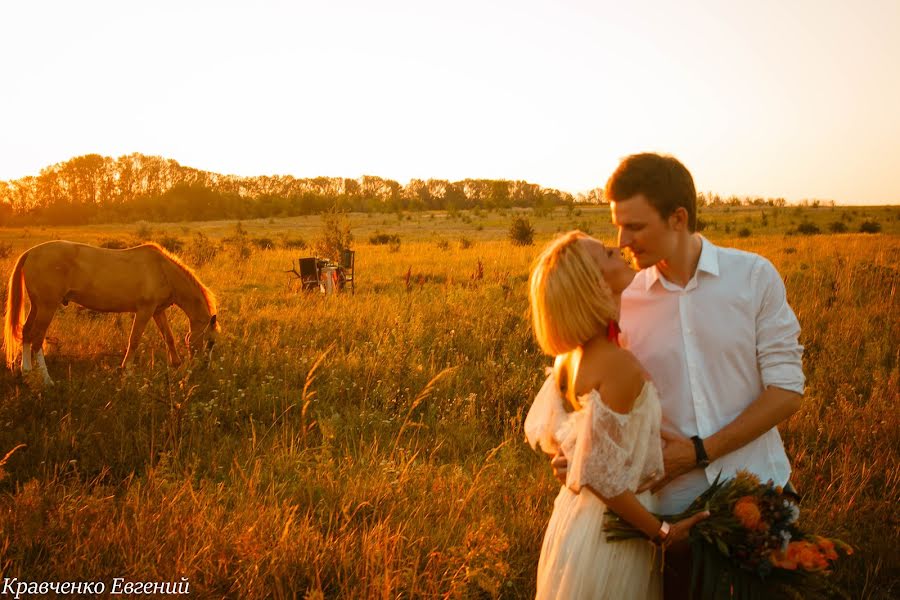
{"points": [[100, 189]]}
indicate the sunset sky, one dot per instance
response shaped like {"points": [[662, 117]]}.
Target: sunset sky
{"points": [[794, 99]]}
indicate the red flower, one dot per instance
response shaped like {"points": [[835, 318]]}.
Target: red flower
{"points": [[747, 512]]}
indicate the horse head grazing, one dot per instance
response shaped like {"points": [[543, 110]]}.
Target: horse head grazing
{"points": [[203, 336]]}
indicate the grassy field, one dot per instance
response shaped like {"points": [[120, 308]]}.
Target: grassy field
{"points": [[371, 446]]}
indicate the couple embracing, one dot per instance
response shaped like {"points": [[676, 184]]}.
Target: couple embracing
{"points": [[663, 379]]}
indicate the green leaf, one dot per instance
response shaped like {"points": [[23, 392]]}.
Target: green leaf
{"points": [[722, 547]]}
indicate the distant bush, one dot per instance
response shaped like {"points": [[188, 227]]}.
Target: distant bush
{"points": [[744, 232], [838, 227], [336, 235], [870, 227], [465, 243], [264, 243], [143, 231], [293, 243], [807, 228], [114, 244], [443, 244], [171, 243], [242, 251], [701, 224], [5, 250], [585, 227], [394, 245], [521, 233], [381, 239], [201, 250]]}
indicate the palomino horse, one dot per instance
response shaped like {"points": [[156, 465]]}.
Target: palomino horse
{"points": [[145, 280]]}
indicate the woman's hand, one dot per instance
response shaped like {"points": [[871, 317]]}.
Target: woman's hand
{"points": [[560, 466], [678, 532]]}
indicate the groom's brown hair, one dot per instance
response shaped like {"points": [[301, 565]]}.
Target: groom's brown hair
{"points": [[662, 179]]}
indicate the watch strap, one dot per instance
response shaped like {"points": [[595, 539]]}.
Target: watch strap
{"points": [[700, 451]]}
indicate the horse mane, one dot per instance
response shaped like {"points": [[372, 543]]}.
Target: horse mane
{"points": [[208, 296]]}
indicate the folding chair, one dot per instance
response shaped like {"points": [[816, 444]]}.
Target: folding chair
{"points": [[348, 266], [308, 273]]}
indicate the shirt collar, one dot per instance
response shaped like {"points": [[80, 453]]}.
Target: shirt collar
{"points": [[708, 263]]}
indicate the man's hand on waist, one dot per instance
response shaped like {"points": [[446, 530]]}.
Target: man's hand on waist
{"points": [[679, 457]]}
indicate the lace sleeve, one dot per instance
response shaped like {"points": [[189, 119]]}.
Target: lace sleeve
{"points": [[598, 455], [544, 416]]}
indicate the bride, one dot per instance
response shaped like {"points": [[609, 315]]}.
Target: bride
{"points": [[599, 410]]}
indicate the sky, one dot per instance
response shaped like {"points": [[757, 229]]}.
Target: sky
{"points": [[797, 99]]}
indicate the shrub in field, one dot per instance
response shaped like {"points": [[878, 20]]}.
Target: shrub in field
{"points": [[465, 243], [394, 245], [521, 233], [171, 243], [113, 244], [381, 239], [870, 227], [241, 248], [264, 243], [807, 228], [701, 224], [744, 232], [584, 226], [838, 227], [335, 235], [143, 231], [293, 243], [443, 244], [201, 250]]}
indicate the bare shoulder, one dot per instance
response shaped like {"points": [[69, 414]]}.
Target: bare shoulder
{"points": [[616, 374]]}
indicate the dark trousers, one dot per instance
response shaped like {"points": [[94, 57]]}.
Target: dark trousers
{"points": [[677, 572]]}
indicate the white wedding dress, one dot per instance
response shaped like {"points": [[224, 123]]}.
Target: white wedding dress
{"points": [[611, 453]]}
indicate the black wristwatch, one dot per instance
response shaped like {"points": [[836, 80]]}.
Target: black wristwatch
{"points": [[702, 458]]}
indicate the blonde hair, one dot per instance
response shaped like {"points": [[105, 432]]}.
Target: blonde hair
{"points": [[570, 300]]}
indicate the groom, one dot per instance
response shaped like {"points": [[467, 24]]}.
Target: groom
{"points": [[713, 328]]}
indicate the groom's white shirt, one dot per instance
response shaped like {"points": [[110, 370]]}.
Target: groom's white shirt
{"points": [[712, 347]]}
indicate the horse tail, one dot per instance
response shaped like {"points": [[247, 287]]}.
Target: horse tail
{"points": [[15, 310]]}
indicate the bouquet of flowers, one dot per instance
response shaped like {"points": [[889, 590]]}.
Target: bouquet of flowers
{"points": [[750, 544]]}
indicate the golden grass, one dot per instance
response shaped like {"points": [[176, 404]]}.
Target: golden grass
{"points": [[263, 476]]}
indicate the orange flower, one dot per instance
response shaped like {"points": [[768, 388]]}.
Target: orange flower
{"points": [[802, 554], [747, 512], [810, 558], [779, 559], [827, 548]]}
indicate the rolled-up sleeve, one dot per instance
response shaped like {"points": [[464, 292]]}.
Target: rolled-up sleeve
{"points": [[778, 350]]}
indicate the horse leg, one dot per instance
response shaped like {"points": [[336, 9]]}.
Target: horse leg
{"points": [[141, 318], [162, 323], [26, 357], [27, 329], [36, 338]]}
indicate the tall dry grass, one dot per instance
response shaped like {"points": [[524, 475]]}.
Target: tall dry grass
{"points": [[371, 445]]}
